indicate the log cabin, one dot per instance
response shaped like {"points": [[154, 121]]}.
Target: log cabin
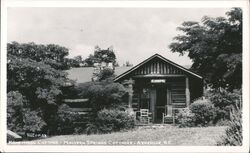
{"points": [[157, 82]]}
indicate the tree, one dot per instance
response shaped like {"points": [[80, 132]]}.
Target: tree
{"points": [[106, 73], [78, 60], [36, 72], [51, 54], [103, 94], [101, 55], [215, 47], [128, 64], [37, 81]]}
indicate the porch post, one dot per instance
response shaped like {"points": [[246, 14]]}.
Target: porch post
{"points": [[187, 92], [130, 93]]}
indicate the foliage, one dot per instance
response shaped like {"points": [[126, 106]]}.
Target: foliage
{"points": [[15, 102], [223, 122], [36, 72], [62, 121], [200, 113], [128, 64], [19, 117], [110, 120], [51, 54], [185, 118], [79, 130], [36, 79], [233, 135], [215, 46], [101, 55], [104, 94], [105, 74], [204, 112], [76, 61], [32, 121], [65, 120], [224, 100]]}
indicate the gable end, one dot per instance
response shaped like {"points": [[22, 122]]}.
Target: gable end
{"points": [[156, 65]]}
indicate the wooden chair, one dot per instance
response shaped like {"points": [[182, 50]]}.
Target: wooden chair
{"points": [[145, 116], [168, 115]]}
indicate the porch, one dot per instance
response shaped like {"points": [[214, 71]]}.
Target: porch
{"points": [[160, 87], [159, 98]]}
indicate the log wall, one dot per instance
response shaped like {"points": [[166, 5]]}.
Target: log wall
{"points": [[175, 92], [178, 94]]}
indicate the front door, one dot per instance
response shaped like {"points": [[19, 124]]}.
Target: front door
{"points": [[161, 101], [159, 97]]}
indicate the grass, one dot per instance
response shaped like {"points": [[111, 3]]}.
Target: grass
{"points": [[148, 135]]}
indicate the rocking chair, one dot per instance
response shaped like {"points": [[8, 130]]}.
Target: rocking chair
{"points": [[168, 115], [145, 116]]}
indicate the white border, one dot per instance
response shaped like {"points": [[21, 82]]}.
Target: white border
{"points": [[244, 4]]}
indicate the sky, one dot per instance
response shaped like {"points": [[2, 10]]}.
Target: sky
{"points": [[134, 33]]}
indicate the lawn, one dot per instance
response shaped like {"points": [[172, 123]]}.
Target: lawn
{"points": [[148, 135]]}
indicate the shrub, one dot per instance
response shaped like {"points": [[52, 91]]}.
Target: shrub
{"points": [[105, 74], [15, 102], [224, 100], [79, 130], [19, 117], [233, 135], [185, 118], [109, 120], [204, 112], [62, 121], [32, 121], [105, 94], [223, 122], [65, 120]]}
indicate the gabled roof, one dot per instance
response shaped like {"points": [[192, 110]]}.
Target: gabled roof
{"points": [[162, 58]]}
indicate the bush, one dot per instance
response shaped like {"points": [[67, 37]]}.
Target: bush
{"points": [[105, 94], [185, 118], [224, 101], [79, 130], [62, 121], [111, 120], [32, 121], [223, 122], [204, 112], [15, 102], [223, 98], [65, 120], [200, 113], [233, 135], [19, 117], [105, 74]]}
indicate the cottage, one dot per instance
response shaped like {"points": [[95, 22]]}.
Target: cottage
{"points": [[158, 82]]}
